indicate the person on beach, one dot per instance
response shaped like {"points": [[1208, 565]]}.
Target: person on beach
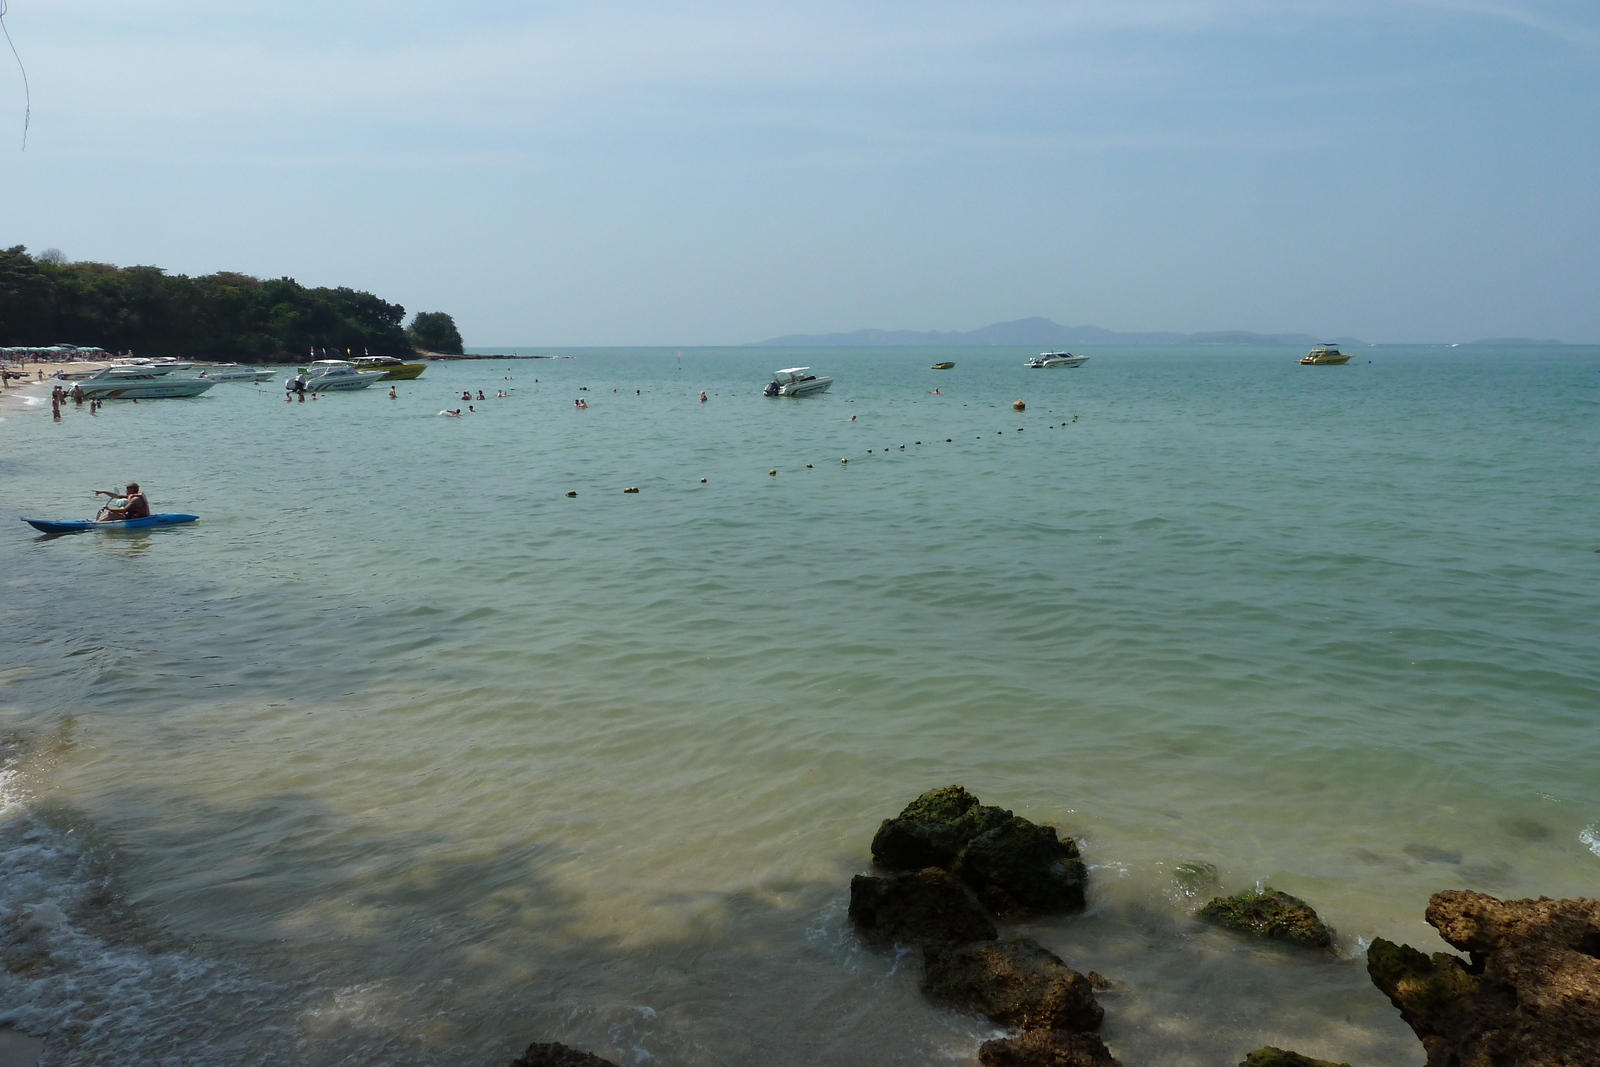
{"points": [[133, 504]]}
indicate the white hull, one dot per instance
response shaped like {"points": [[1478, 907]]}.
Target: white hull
{"points": [[814, 385], [330, 383], [235, 374], [143, 389], [1056, 361]]}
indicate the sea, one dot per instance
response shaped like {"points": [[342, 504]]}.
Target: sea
{"points": [[431, 739]]}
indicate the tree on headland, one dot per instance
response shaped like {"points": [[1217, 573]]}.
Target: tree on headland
{"points": [[434, 331], [45, 300]]}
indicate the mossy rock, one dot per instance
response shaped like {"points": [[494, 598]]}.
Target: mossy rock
{"points": [[926, 907], [1018, 867], [1277, 1057], [1434, 993], [932, 830], [1016, 983], [1270, 914]]}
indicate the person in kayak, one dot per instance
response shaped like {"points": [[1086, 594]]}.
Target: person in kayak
{"points": [[134, 504]]}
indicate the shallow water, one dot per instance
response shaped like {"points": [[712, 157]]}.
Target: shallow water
{"points": [[402, 756]]}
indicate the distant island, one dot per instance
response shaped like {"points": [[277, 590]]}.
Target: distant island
{"points": [[45, 300], [1038, 331]]}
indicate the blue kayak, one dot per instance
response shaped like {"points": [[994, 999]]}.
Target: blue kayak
{"points": [[171, 518]]}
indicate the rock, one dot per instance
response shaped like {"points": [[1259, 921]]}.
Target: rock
{"points": [[1015, 983], [1271, 914], [1277, 1057], [1018, 867], [926, 907], [555, 1054], [932, 830], [1530, 995], [1047, 1048]]}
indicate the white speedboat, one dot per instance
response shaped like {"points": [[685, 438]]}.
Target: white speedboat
{"points": [[796, 381], [328, 375], [233, 372], [114, 383], [1056, 359]]}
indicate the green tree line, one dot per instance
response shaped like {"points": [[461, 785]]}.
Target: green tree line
{"points": [[45, 300]]}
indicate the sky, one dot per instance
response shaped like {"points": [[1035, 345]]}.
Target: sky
{"points": [[703, 173]]}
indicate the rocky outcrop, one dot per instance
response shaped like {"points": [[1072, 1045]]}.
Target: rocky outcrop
{"points": [[555, 1054], [1014, 983], [1528, 997], [1277, 1057], [1270, 914], [1015, 866], [1047, 1048], [926, 907]]}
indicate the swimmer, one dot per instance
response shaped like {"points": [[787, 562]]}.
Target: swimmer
{"points": [[934, 392], [702, 396], [454, 413], [392, 394], [480, 394], [471, 408], [466, 396], [852, 418], [580, 403]]}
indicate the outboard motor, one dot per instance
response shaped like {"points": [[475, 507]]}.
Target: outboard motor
{"points": [[771, 389]]}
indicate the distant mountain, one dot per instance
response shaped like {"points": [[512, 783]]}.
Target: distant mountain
{"points": [[1037, 331], [1513, 341]]}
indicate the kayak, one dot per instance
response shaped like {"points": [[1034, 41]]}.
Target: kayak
{"points": [[171, 518]]}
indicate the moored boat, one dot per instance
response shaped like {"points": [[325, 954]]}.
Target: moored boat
{"points": [[233, 372], [1056, 359], [946, 365], [126, 383], [330, 375], [394, 368], [796, 381], [1324, 356]]}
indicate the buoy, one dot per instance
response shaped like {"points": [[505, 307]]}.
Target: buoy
{"points": [[773, 473], [947, 440], [808, 467], [572, 492], [631, 489], [1017, 405], [702, 481], [844, 461], [902, 448]]}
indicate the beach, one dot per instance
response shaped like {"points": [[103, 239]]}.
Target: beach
{"points": [[402, 755]]}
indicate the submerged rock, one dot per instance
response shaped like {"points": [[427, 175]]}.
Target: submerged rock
{"points": [[1047, 1048], [1270, 914], [1277, 1057], [555, 1054], [1195, 877], [1018, 867], [1529, 996], [926, 907], [1015, 866], [1016, 983], [932, 830]]}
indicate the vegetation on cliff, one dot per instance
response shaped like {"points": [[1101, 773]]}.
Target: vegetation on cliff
{"points": [[45, 300]]}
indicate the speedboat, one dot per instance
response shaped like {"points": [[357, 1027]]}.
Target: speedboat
{"points": [[328, 375], [796, 381], [1056, 359], [394, 369], [123, 383], [946, 365], [127, 369], [1324, 356], [233, 372]]}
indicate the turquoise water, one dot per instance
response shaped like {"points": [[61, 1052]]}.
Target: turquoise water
{"points": [[403, 756]]}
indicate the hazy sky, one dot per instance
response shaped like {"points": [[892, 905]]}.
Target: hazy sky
{"points": [[710, 173]]}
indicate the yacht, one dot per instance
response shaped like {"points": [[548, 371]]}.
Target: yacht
{"points": [[328, 375], [1056, 359], [1324, 356], [120, 383], [796, 381], [394, 368]]}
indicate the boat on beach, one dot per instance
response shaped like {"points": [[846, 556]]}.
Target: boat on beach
{"points": [[332, 375], [1055, 359], [394, 368], [796, 381], [1324, 356]]}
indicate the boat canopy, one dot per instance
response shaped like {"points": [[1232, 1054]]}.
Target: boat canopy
{"points": [[790, 374]]}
